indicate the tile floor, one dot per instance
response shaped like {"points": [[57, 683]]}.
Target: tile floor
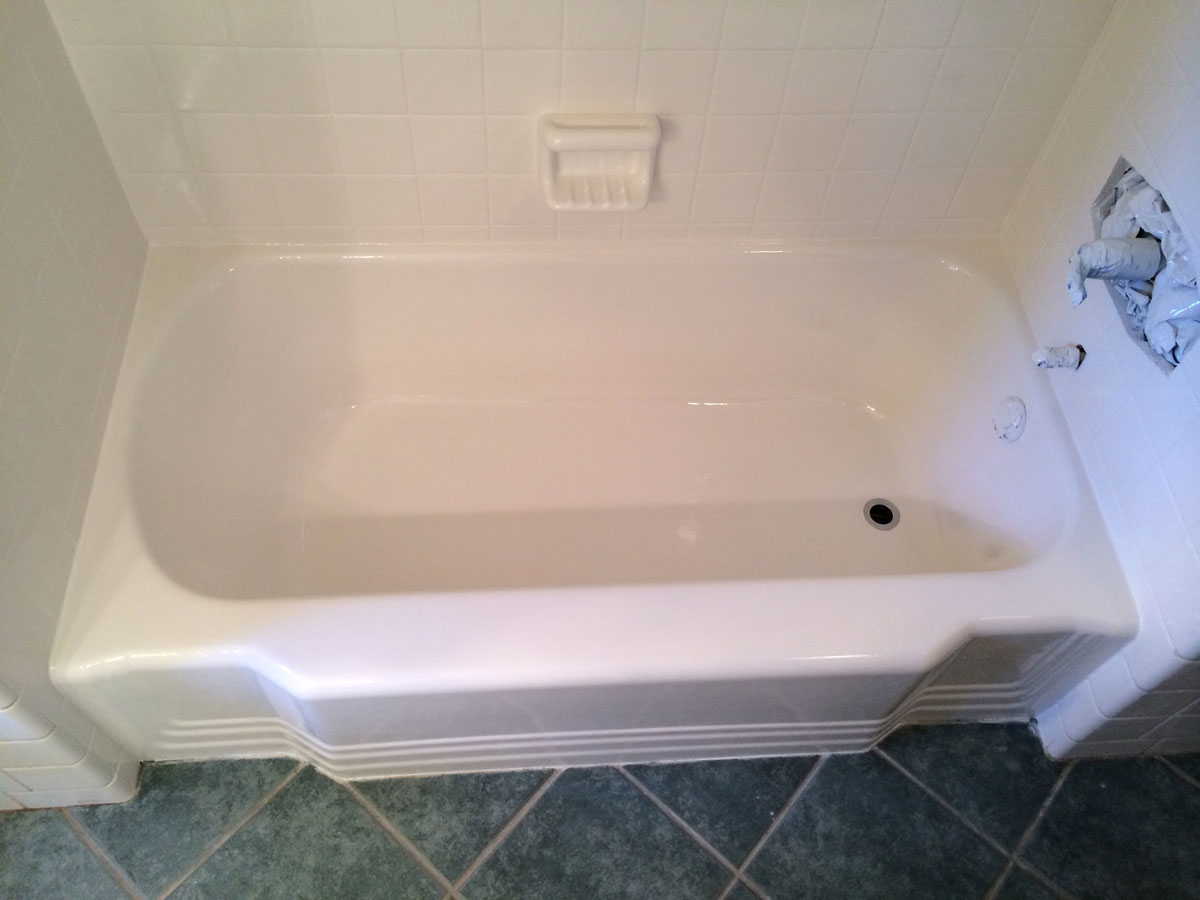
{"points": [[971, 811]]}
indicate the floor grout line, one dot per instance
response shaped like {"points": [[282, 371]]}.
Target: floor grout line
{"points": [[509, 827], [678, 820], [1041, 879], [1027, 834], [402, 840], [89, 840], [1178, 771], [207, 854], [784, 810], [942, 801], [994, 890]]}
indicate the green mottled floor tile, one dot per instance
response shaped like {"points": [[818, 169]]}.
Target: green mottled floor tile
{"points": [[1019, 885], [1122, 828], [741, 892], [729, 802], [313, 841], [995, 775], [452, 817], [180, 810], [594, 836], [42, 859], [1189, 763], [862, 830]]}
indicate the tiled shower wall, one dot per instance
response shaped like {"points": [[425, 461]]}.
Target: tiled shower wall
{"points": [[374, 120], [70, 262], [1137, 428]]}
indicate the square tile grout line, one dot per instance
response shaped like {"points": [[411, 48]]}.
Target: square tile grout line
{"points": [[681, 824], [1026, 836], [740, 875], [127, 884], [944, 803], [502, 835], [401, 840], [1178, 771], [208, 852]]}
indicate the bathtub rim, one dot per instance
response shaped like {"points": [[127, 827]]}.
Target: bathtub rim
{"points": [[84, 646]]}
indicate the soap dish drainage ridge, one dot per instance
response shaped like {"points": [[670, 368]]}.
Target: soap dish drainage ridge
{"points": [[597, 162]]}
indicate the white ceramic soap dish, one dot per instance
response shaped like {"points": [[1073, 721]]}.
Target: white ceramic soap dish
{"points": [[597, 161]]}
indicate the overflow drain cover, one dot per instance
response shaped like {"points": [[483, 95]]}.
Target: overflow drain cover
{"points": [[881, 514]]}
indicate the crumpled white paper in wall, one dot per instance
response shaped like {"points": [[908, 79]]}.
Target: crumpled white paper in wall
{"points": [[1159, 291]]}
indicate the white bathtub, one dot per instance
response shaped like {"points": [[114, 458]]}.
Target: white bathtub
{"points": [[491, 508]]}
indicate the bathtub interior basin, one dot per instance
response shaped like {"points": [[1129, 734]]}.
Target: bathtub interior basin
{"points": [[477, 508]]}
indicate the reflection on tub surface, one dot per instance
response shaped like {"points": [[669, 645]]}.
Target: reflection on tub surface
{"points": [[491, 507]]}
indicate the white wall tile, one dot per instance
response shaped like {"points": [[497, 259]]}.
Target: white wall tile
{"points": [[762, 24], [807, 142], [749, 82], [1130, 415], [876, 141], [1068, 23], [383, 200], [857, 196], [675, 82], [453, 199], [802, 66], [511, 144], [232, 199], [298, 145], [120, 78], [986, 23], [375, 144], [970, 79], [363, 23], [602, 24], [737, 143], [271, 23], [680, 147], [438, 24], [671, 197], [523, 24], [917, 23], [143, 142], [897, 80], [312, 199], [598, 81], [449, 144], [1012, 138], [838, 23], [522, 82], [922, 193], [364, 81], [725, 198], [680, 24], [987, 192], [517, 200], [1041, 77], [444, 81], [792, 196], [945, 140], [70, 262], [219, 142], [100, 22], [279, 81], [824, 81]]}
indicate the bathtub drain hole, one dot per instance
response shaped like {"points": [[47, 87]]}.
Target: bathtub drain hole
{"points": [[882, 514]]}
